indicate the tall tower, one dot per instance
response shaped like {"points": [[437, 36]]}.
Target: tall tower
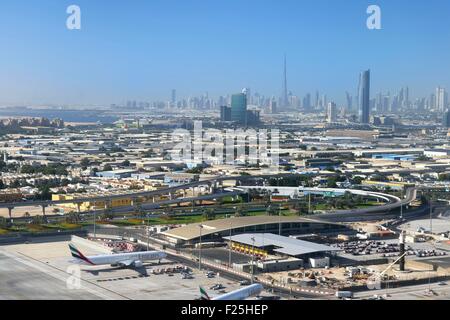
{"points": [[239, 108], [331, 112], [173, 97], [284, 97], [364, 97], [441, 99]]}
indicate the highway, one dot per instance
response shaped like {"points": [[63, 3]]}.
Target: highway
{"points": [[393, 204]]}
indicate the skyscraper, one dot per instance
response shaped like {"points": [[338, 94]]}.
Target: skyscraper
{"points": [[349, 99], [331, 112], [307, 102], [225, 113], [239, 108], [284, 96], [446, 119], [441, 99], [173, 98], [364, 97]]}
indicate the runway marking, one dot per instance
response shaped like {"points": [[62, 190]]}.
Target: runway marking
{"points": [[58, 276]]}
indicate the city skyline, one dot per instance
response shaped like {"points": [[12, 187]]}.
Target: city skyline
{"points": [[153, 49]]}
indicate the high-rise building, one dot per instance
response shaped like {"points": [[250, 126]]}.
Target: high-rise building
{"points": [[307, 102], [316, 100], [173, 98], [364, 97], [331, 112], [349, 99], [446, 119], [284, 94], [253, 117], [225, 113], [239, 108], [273, 106], [441, 99]]}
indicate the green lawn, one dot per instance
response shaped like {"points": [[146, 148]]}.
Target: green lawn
{"points": [[63, 226]]}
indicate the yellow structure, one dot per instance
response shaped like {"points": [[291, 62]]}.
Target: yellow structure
{"points": [[90, 205], [242, 248], [392, 185]]}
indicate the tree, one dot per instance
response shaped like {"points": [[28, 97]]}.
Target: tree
{"points": [[357, 180], [209, 214], [85, 162], [240, 211], [37, 220], [196, 170], [3, 223], [73, 217], [107, 214], [107, 167], [300, 207], [331, 183], [273, 210]]}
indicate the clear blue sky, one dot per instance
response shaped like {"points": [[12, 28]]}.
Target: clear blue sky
{"points": [[141, 49]]}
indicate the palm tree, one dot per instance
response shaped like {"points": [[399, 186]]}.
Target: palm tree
{"points": [[240, 211], [209, 214], [73, 217], [272, 210]]}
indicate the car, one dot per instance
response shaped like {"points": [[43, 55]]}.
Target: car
{"points": [[217, 286], [268, 298], [186, 276], [244, 283]]}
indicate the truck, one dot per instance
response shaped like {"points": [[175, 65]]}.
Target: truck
{"points": [[344, 294]]}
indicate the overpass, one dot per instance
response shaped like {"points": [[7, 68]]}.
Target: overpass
{"points": [[213, 184]]}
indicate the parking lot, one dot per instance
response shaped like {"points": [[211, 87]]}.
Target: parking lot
{"points": [[43, 267], [386, 249]]}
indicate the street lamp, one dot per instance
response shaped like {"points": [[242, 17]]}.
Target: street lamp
{"points": [[401, 206], [253, 256], [148, 232], [229, 245], [200, 251], [95, 221]]}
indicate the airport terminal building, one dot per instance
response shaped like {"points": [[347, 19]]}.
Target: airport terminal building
{"points": [[217, 230]]}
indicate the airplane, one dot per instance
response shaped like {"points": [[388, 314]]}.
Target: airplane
{"points": [[240, 294], [131, 259]]}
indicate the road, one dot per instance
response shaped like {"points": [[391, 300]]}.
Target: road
{"points": [[410, 292]]}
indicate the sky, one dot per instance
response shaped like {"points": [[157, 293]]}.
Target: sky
{"points": [[142, 49]]}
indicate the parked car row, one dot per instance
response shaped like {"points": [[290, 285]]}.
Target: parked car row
{"points": [[369, 247]]}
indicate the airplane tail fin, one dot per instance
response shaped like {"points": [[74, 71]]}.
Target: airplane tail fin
{"points": [[78, 255], [203, 294]]}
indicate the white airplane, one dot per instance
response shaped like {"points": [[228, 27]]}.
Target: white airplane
{"points": [[240, 294], [132, 259]]}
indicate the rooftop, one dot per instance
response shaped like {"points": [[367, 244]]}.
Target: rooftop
{"points": [[192, 231], [286, 245]]}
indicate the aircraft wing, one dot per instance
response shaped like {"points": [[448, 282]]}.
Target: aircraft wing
{"points": [[125, 263]]}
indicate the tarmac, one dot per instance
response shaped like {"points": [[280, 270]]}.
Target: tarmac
{"points": [[44, 271]]}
